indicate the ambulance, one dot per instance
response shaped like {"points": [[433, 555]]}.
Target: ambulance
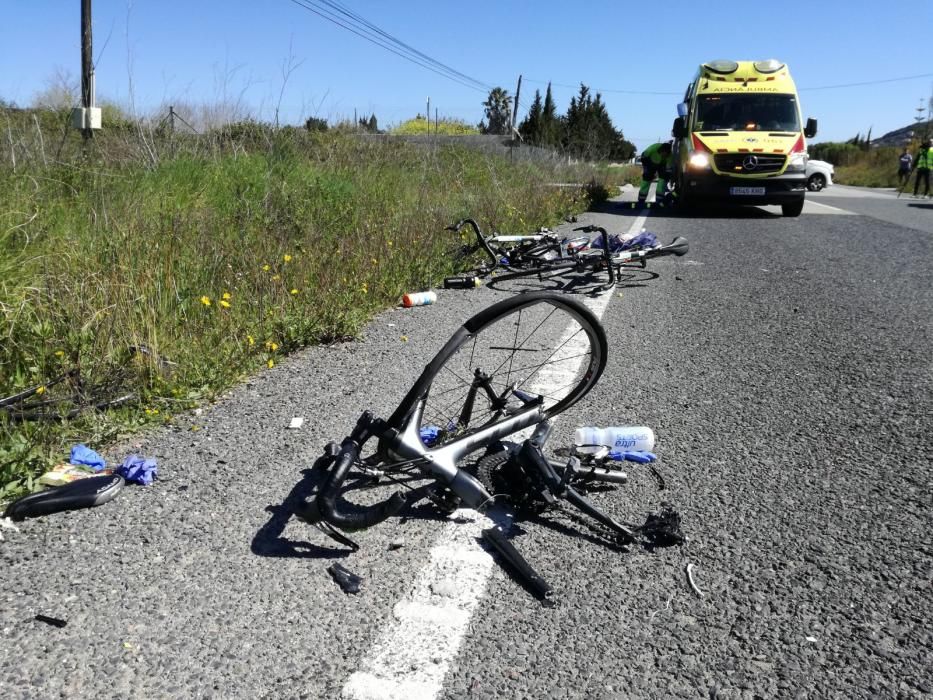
{"points": [[738, 137]]}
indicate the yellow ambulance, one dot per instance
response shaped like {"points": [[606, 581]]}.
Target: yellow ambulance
{"points": [[738, 137]]}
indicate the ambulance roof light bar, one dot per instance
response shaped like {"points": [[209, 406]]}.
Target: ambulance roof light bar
{"points": [[772, 65], [722, 66]]}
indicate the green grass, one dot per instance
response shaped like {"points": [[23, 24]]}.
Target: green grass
{"points": [[219, 254], [861, 167]]}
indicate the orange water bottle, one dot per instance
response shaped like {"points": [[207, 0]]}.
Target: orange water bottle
{"points": [[419, 299]]}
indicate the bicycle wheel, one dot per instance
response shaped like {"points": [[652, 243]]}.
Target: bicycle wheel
{"points": [[533, 347]]}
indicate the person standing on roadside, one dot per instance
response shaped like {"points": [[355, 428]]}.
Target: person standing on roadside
{"points": [[905, 163], [923, 163]]}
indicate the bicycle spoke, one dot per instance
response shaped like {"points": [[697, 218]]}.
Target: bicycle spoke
{"points": [[542, 351]]}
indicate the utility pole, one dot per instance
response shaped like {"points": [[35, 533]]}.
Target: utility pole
{"points": [[518, 91], [87, 68], [87, 116], [427, 114]]}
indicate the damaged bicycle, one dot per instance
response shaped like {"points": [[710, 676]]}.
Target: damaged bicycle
{"points": [[512, 367]]}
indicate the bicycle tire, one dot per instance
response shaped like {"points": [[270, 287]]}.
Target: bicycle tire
{"points": [[561, 347]]}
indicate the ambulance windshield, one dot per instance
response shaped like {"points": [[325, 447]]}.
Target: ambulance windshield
{"points": [[747, 112]]}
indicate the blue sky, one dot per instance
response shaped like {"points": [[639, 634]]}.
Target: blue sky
{"points": [[200, 51]]}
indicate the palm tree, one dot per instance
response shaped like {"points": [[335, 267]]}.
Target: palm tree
{"points": [[498, 111]]}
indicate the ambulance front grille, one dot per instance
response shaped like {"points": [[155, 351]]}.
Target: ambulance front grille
{"points": [[749, 163]]}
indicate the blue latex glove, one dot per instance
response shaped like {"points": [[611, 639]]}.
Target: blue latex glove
{"points": [[640, 456], [88, 457], [138, 470]]}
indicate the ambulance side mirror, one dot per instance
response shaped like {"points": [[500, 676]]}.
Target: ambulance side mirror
{"points": [[810, 131], [680, 128]]}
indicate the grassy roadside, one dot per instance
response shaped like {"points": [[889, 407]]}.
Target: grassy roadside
{"points": [[167, 269]]}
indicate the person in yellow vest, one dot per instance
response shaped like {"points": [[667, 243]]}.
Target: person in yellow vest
{"points": [[923, 163], [656, 161]]}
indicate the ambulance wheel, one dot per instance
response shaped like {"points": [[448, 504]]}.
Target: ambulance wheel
{"points": [[793, 208]]}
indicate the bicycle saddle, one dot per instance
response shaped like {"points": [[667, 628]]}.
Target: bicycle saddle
{"points": [[84, 493]]}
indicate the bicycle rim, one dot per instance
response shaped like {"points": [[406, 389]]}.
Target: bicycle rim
{"points": [[534, 347]]}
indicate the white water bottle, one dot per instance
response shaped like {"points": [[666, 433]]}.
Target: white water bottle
{"points": [[625, 437]]}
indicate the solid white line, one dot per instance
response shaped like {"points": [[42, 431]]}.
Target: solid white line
{"points": [[411, 655], [841, 211]]}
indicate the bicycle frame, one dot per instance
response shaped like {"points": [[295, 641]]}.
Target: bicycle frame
{"points": [[541, 243], [401, 440]]}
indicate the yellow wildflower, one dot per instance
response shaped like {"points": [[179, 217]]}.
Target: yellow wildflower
{"points": [[59, 353], [271, 346], [250, 340], [287, 258], [40, 390], [294, 291], [389, 243], [224, 303], [270, 364], [275, 278], [365, 289], [265, 268], [206, 300], [227, 295]]}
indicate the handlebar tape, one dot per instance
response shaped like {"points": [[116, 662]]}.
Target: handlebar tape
{"points": [[361, 517]]}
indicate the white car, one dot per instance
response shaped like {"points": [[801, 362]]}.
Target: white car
{"points": [[819, 174]]}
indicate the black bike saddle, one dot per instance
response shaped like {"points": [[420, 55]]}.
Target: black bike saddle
{"points": [[83, 493]]}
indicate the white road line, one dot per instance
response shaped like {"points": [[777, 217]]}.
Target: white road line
{"points": [[411, 655], [835, 209]]}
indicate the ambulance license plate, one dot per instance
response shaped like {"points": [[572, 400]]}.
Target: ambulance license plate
{"points": [[754, 191]]}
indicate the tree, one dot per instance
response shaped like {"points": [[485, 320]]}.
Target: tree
{"points": [[62, 92], [530, 128], [588, 130], [498, 111], [551, 125], [316, 124], [370, 125]]}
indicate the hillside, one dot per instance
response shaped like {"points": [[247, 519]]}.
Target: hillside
{"points": [[904, 135]]}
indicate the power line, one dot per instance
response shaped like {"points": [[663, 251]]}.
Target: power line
{"points": [[398, 42], [601, 90], [810, 89], [382, 39], [870, 82]]}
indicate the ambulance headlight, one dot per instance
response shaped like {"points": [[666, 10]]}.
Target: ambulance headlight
{"points": [[699, 161], [797, 163]]}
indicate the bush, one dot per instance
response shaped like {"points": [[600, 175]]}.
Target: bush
{"points": [[316, 124], [446, 127]]}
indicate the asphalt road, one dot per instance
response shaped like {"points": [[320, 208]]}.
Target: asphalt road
{"points": [[785, 367]]}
